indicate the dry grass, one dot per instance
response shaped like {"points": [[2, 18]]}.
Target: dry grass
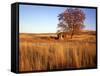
{"points": [[44, 53]]}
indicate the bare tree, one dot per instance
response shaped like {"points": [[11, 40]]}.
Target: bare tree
{"points": [[71, 20]]}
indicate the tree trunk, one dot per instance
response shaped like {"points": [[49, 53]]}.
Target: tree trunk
{"points": [[72, 34]]}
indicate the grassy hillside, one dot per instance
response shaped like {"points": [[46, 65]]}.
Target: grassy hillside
{"points": [[44, 52]]}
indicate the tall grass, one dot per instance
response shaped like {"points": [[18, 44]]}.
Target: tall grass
{"points": [[37, 56]]}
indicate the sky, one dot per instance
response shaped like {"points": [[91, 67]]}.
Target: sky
{"points": [[43, 19]]}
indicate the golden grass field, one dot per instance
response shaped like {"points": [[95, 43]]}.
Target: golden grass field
{"points": [[43, 52]]}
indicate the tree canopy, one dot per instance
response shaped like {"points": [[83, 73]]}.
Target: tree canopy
{"points": [[71, 20]]}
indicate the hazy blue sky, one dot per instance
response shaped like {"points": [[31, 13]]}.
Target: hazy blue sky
{"points": [[43, 19]]}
